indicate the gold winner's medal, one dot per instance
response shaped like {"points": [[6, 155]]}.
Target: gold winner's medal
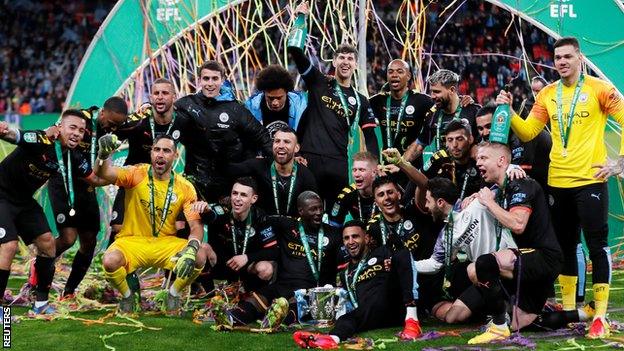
{"points": [[72, 212]]}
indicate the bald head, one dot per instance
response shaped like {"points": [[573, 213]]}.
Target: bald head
{"points": [[398, 75]]}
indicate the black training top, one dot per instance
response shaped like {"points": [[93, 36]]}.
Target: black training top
{"points": [[413, 117], [324, 129], [260, 169], [33, 162]]}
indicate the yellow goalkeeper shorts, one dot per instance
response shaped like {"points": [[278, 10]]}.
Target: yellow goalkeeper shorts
{"points": [[141, 251]]}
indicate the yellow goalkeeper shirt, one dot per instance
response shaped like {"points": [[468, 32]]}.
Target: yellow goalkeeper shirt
{"points": [[597, 100], [137, 220]]}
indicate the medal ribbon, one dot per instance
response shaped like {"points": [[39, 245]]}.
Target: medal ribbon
{"points": [[290, 190], [351, 285], [168, 197], [93, 139], [565, 134], [67, 175], [316, 270], [501, 201], [345, 106], [439, 126], [153, 127], [448, 241], [390, 141], [383, 227], [245, 239]]}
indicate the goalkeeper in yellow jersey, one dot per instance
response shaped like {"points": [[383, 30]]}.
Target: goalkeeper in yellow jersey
{"points": [[154, 198], [577, 106]]}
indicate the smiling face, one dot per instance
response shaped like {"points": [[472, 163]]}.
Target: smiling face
{"points": [[345, 63], [398, 75], [441, 95], [567, 61], [241, 198], [387, 198], [72, 129], [363, 174], [163, 154], [355, 241], [210, 82], [162, 97], [311, 212], [285, 147]]}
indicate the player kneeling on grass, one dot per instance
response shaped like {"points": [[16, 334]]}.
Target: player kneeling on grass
{"points": [[154, 198], [528, 271]]}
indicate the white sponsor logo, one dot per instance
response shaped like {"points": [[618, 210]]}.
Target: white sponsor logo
{"points": [[372, 261], [223, 117], [410, 109]]}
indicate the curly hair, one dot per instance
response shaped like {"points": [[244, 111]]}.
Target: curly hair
{"points": [[274, 77]]}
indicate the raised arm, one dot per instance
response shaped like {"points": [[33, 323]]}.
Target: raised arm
{"points": [[103, 167], [9, 134]]}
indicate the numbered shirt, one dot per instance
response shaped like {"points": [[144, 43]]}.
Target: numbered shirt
{"points": [[33, 162]]}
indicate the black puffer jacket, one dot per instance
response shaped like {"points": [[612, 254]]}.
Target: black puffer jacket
{"points": [[216, 132]]}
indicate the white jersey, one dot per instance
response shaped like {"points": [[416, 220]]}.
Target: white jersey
{"points": [[474, 233]]}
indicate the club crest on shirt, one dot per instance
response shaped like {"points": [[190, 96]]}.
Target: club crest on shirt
{"points": [[409, 109], [325, 241], [372, 261], [352, 100], [224, 117], [114, 215], [2, 232], [583, 97], [176, 134], [408, 225], [60, 218], [174, 198]]}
